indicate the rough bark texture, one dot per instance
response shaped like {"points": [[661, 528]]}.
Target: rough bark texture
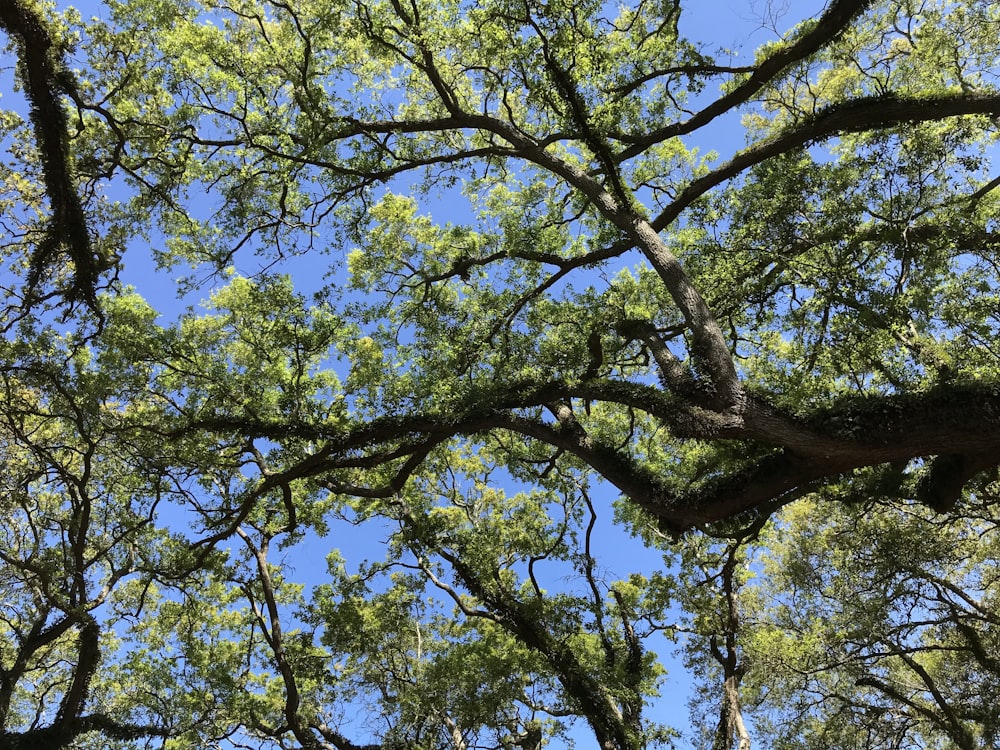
{"points": [[45, 78]]}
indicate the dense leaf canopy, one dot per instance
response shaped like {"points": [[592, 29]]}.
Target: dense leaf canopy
{"points": [[460, 275]]}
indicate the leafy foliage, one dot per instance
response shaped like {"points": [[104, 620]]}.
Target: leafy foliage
{"points": [[468, 274]]}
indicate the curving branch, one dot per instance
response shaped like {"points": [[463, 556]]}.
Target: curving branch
{"points": [[45, 76], [858, 115], [610, 728], [795, 453], [65, 734], [828, 27]]}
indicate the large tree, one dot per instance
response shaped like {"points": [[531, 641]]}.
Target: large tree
{"points": [[540, 285]]}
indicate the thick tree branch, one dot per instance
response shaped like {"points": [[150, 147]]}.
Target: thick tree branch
{"points": [[593, 698], [855, 116], [64, 734], [805, 451], [45, 76], [88, 657], [828, 27]]}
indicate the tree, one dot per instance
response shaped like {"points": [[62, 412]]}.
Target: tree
{"points": [[781, 360]]}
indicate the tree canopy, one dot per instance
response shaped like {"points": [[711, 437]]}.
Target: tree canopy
{"points": [[466, 271]]}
